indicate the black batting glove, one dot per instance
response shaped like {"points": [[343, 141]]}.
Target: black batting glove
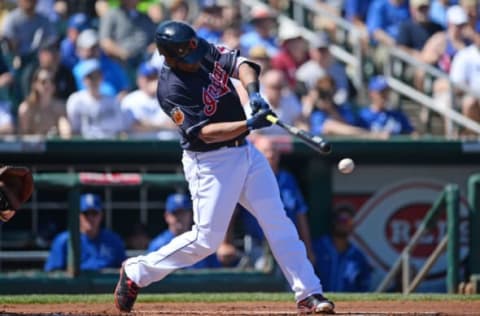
{"points": [[259, 120]]}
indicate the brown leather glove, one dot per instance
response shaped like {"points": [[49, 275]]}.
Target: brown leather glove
{"points": [[16, 186]]}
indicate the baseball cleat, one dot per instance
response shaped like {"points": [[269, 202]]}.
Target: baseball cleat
{"points": [[315, 304], [126, 292]]}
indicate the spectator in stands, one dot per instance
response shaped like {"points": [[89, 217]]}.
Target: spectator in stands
{"points": [[156, 12], [127, 34], [342, 266], [231, 36], [178, 216], [282, 100], [264, 23], [141, 106], [49, 58], [465, 71], [293, 52], [115, 80], [210, 23], [321, 61], [179, 10], [25, 30], [356, 11], [325, 117], [292, 198], [438, 11], [414, 33], [439, 51], [378, 117], [41, 113], [442, 46], [259, 55], [91, 113], [68, 50], [384, 19], [101, 248]]}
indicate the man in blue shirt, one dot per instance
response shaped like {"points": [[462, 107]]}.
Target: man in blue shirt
{"points": [[384, 18], [340, 264], [378, 117], [101, 248]]}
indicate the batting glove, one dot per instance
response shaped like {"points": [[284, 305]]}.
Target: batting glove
{"points": [[259, 120], [257, 103]]}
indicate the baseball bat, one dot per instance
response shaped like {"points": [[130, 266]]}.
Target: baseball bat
{"points": [[315, 142]]}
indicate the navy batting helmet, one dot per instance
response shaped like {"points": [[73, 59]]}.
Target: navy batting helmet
{"points": [[180, 41]]}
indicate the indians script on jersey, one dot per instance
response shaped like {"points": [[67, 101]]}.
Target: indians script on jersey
{"points": [[217, 88]]}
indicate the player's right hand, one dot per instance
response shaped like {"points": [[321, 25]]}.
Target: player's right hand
{"points": [[259, 120], [257, 103]]}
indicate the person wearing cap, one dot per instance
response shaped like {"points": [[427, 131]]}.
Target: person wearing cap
{"points": [[379, 117], [293, 52], [321, 60], [142, 108], [75, 25], [178, 216], [342, 265], [91, 113], [439, 51], [115, 81], [263, 21], [101, 248], [414, 33]]}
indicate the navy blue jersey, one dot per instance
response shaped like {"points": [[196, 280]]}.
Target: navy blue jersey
{"points": [[206, 96]]}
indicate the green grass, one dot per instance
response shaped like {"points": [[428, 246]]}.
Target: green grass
{"points": [[224, 297]]}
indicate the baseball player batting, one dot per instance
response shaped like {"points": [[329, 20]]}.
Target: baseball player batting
{"points": [[220, 165]]}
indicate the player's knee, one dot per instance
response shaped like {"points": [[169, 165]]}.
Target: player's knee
{"points": [[208, 242]]}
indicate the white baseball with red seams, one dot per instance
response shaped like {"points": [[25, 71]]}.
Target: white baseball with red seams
{"points": [[346, 165]]}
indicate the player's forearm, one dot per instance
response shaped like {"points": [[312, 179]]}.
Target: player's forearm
{"points": [[247, 75], [223, 131]]}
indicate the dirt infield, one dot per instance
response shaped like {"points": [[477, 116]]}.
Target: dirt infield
{"points": [[369, 308]]}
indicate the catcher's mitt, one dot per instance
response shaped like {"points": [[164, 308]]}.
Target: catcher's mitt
{"points": [[16, 186]]}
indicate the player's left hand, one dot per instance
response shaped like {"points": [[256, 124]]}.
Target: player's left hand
{"points": [[259, 120], [257, 103]]}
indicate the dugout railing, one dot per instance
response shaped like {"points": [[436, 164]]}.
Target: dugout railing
{"points": [[449, 200]]}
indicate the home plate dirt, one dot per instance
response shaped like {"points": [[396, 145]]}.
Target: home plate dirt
{"points": [[368, 308]]}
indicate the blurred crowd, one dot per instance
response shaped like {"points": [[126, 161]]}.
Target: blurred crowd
{"points": [[89, 68]]}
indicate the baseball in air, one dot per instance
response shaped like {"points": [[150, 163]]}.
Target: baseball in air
{"points": [[346, 165]]}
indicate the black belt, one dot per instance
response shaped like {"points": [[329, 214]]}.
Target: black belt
{"points": [[237, 143]]}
